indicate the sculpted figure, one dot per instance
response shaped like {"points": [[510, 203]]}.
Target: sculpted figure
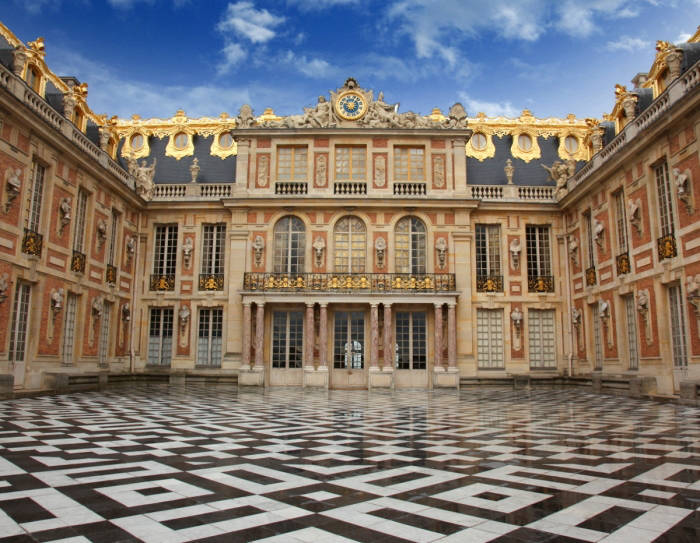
{"points": [[187, 248], [144, 178], [184, 315], [13, 185], [57, 300], [194, 169], [509, 171], [321, 116], [319, 246], [258, 246], [515, 249], [380, 171], [245, 117]]}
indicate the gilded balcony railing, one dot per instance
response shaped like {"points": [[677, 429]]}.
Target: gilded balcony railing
{"points": [[489, 283], [162, 281], [32, 242], [111, 274], [667, 246], [350, 282], [211, 281], [622, 262], [540, 283], [591, 278], [77, 262]]}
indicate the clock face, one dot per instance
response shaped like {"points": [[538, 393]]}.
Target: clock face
{"points": [[350, 106]]}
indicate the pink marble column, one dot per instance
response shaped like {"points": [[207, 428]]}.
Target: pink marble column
{"points": [[247, 324], [323, 336], [451, 335], [309, 336], [388, 339], [438, 335], [259, 333], [374, 335]]}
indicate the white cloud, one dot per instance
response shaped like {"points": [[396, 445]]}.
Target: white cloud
{"points": [[491, 109], [683, 37], [310, 67], [255, 24], [627, 43], [233, 53], [318, 5]]}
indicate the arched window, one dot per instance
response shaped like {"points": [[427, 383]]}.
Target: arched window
{"points": [[290, 243], [409, 241], [350, 241]]}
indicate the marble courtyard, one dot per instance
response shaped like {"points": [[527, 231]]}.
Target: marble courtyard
{"points": [[157, 463]]}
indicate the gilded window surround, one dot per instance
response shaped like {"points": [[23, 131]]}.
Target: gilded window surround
{"points": [[222, 152]]}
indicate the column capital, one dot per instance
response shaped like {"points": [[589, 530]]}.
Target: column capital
{"points": [[323, 304], [247, 303], [451, 305], [387, 304], [438, 305], [310, 304], [260, 304], [374, 304]]}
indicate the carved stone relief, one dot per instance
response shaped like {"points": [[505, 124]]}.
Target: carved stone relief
{"points": [[604, 314], [321, 171], [64, 208], [439, 171], [380, 252], [13, 185], [101, 233], [441, 247], [643, 309], [517, 317], [634, 210], [187, 249], [380, 171], [515, 248], [693, 289], [96, 307], [319, 247], [130, 249], [576, 321], [598, 231], [258, 246], [263, 171], [573, 250], [684, 189]]}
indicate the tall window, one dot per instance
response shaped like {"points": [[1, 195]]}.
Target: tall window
{"points": [[35, 197], [410, 242], [80, 211], [409, 164], [489, 338], [678, 341], [209, 339], [287, 339], [411, 340], [350, 163], [350, 241], [213, 240], [542, 338], [539, 267], [69, 329], [488, 250], [165, 254], [620, 221], [588, 225], [597, 337], [666, 219], [290, 244], [111, 250], [292, 164], [632, 344], [20, 321], [160, 336], [103, 343]]}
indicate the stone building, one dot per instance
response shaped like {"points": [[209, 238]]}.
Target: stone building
{"points": [[351, 245]]}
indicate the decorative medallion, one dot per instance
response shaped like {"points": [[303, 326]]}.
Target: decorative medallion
{"points": [[350, 106]]}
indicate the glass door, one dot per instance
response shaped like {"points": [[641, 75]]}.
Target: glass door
{"points": [[349, 350]]}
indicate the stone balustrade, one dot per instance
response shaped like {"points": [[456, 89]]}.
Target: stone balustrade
{"points": [[512, 193]]}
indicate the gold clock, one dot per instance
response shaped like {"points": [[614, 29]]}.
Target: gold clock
{"points": [[350, 106]]}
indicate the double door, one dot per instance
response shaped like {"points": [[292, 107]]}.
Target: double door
{"points": [[349, 350]]}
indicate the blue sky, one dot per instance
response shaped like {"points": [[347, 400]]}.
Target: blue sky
{"points": [[152, 57]]}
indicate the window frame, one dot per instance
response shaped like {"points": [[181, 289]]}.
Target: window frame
{"points": [[210, 321], [403, 162], [289, 257], [287, 334], [298, 166], [347, 253], [164, 343], [352, 164], [413, 250], [165, 249]]}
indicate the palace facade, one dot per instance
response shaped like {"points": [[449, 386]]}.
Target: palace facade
{"points": [[351, 245]]}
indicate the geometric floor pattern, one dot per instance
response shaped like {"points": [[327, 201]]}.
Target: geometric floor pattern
{"points": [[167, 464]]}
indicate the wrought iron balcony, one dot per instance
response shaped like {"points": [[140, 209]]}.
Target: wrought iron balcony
{"points": [[211, 281], [489, 283], [162, 281], [111, 274], [350, 282], [77, 262], [32, 242], [540, 283], [591, 278], [622, 262], [667, 246]]}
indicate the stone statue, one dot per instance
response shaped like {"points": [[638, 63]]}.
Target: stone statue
{"points": [[380, 248], [13, 186], [184, 316], [130, 248], [245, 117], [441, 247], [69, 104], [321, 171], [576, 317], [319, 247], [126, 312], [683, 188], [97, 307], [65, 209], [56, 301], [559, 173], [598, 230], [101, 232], [194, 170], [517, 317], [573, 250], [104, 138], [321, 116], [634, 209], [144, 178], [509, 171], [258, 246], [515, 249], [380, 171], [4, 286], [457, 117], [187, 248], [19, 59]]}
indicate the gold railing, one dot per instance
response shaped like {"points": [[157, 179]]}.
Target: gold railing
{"points": [[350, 282], [77, 262], [591, 278], [32, 242], [540, 283], [667, 246]]}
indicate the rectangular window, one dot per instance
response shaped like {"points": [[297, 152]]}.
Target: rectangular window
{"points": [[489, 338], [597, 337], [69, 329], [588, 226], [80, 211], [165, 250], [409, 164], [111, 250], [351, 163], [632, 344], [620, 221], [287, 339], [292, 163], [542, 339], [539, 267], [411, 341], [488, 250], [103, 344], [209, 340], [666, 219], [678, 341], [20, 320], [160, 336], [36, 195], [213, 240]]}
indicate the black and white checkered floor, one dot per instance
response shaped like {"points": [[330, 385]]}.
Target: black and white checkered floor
{"points": [[204, 463]]}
